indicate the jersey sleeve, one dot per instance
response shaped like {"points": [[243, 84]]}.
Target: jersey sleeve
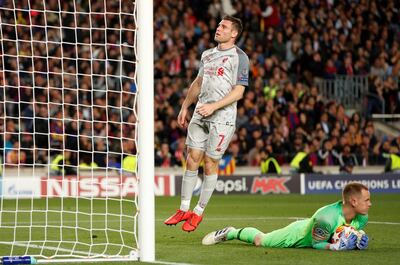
{"points": [[321, 233], [243, 70]]}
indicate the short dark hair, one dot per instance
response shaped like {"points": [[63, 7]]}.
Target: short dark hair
{"points": [[236, 23], [352, 188]]}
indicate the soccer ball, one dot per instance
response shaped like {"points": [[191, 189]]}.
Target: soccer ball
{"points": [[344, 230]]}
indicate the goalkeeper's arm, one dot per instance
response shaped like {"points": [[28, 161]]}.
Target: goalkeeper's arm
{"points": [[321, 235], [341, 245]]}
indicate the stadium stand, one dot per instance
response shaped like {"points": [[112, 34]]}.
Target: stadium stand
{"points": [[294, 47], [28, 100]]}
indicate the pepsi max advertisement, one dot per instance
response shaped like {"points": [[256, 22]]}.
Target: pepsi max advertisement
{"points": [[303, 184], [259, 184]]}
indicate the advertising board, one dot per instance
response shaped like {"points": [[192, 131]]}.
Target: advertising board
{"points": [[377, 183]]}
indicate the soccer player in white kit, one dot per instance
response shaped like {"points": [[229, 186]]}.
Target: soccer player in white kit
{"points": [[220, 83]]}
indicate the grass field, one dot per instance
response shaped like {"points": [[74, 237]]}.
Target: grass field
{"points": [[266, 213]]}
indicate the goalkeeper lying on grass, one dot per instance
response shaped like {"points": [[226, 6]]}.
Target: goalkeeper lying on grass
{"points": [[313, 232]]}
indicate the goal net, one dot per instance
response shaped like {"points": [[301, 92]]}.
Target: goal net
{"points": [[69, 130]]}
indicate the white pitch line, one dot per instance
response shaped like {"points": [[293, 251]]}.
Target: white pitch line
{"points": [[280, 218], [48, 248], [383, 223], [171, 263], [65, 222], [79, 252], [69, 222]]}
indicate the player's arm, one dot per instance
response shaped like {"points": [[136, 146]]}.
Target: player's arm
{"points": [[191, 97], [321, 233], [233, 96], [193, 93]]}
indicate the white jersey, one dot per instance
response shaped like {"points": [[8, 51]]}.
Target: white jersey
{"points": [[221, 70]]}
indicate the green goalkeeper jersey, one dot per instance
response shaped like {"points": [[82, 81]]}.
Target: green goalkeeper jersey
{"points": [[315, 231]]}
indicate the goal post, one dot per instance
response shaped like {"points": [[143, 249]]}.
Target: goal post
{"points": [[76, 109], [146, 129]]}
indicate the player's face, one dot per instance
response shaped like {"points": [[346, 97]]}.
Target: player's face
{"points": [[362, 202], [225, 32]]}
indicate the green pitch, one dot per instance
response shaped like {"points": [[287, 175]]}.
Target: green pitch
{"points": [[265, 213]]}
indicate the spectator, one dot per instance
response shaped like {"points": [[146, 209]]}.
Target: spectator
{"points": [[242, 118], [301, 163], [179, 155], [324, 123], [254, 156], [347, 168], [292, 117], [353, 40], [271, 15], [393, 161], [163, 157], [326, 154], [61, 164], [347, 158], [270, 165], [129, 164]]}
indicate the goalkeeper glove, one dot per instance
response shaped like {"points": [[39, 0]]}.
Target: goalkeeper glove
{"points": [[362, 240], [345, 243]]}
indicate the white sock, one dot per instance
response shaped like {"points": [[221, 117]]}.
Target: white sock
{"points": [[188, 183], [206, 191]]}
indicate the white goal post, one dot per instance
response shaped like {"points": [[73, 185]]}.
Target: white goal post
{"points": [[146, 129], [76, 131]]}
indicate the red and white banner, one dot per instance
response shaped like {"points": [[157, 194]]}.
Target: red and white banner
{"points": [[101, 186], [253, 184], [88, 186], [164, 185]]}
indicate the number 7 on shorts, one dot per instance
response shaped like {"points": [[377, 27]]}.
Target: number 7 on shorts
{"points": [[222, 137]]}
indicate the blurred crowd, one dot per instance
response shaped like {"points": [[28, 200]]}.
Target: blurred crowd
{"points": [[70, 89], [73, 91], [291, 44]]}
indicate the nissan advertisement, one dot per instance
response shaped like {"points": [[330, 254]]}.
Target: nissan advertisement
{"points": [[170, 185]]}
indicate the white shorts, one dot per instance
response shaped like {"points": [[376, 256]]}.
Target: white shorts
{"points": [[212, 138]]}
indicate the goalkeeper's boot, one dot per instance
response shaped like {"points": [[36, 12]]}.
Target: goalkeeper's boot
{"points": [[178, 217], [216, 237], [192, 223]]}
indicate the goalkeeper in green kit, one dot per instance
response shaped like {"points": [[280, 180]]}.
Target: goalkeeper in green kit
{"points": [[314, 232]]}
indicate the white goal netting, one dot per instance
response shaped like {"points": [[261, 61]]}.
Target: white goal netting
{"points": [[68, 126]]}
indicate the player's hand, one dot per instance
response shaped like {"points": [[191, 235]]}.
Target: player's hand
{"points": [[362, 242], [348, 243], [182, 121], [205, 110], [345, 243]]}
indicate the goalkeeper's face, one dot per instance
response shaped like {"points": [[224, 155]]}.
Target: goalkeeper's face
{"points": [[362, 202], [225, 32]]}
